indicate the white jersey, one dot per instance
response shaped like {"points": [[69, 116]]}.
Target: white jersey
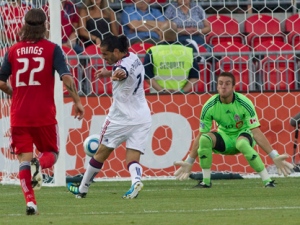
{"points": [[129, 105]]}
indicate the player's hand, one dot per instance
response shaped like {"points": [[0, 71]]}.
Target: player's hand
{"points": [[184, 171], [118, 74], [283, 167], [103, 72], [79, 111]]}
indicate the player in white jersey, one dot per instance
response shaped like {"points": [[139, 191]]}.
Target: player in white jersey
{"points": [[129, 117]]}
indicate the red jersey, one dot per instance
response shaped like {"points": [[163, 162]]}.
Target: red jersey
{"points": [[13, 19], [32, 67]]}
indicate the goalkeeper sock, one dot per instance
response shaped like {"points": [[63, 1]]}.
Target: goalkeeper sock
{"points": [[91, 171], [47, 159], [250, 154], [265, 176], [205, 151], [135, 171], [206, 176], [25, 180]]}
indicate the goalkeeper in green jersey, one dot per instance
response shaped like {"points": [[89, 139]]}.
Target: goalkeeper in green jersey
{"points": [[238, 132]]}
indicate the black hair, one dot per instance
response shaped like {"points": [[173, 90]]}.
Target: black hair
{"points": [[113, 42]]}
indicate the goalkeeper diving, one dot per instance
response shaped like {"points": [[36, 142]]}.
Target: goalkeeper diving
{"points": [[238, 131]]}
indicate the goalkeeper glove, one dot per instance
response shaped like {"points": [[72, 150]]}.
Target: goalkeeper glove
{"points": [[283, 167], [184, 171]]}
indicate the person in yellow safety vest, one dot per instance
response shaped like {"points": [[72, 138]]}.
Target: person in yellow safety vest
{"points": [[170, 66]]}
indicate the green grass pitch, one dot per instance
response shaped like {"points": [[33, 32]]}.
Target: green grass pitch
{"points": [[228, 202]]}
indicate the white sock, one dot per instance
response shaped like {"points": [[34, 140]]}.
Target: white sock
{"points": [[206, 173], [264, 175], [136, 172], [87, 179]]}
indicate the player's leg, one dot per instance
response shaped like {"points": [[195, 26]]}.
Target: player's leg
{"points": [[110, 138], [93, 168], [136, 145], [245, 144], [136, 171], [206, 144], [46, 141], [23, 147]]}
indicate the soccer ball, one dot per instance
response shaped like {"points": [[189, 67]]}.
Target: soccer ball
{"points": [[90, 144]]}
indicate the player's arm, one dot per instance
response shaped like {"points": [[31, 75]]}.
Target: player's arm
{"points": [[59, 64], [186, 166], [72, 90], [279, 160], [5, 72], [5, 87]]}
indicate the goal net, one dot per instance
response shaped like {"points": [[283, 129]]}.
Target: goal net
{"points": [[271, 83]]}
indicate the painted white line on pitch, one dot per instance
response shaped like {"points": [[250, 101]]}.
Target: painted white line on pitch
{"points": [[169, 211]]}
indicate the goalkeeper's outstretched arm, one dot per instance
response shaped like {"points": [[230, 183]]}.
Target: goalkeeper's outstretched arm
{"points": [[279, 160], [186, 166]]}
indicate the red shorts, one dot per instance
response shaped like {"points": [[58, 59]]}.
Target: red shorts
{"points": [[44, 138]]}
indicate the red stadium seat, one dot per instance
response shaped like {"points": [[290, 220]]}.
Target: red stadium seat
{"points": [[223, 29], [237, 61], [277, 73], [292, 26], [205, 83], [140, 48], [152, 1], [275, 48], [260, 28]]}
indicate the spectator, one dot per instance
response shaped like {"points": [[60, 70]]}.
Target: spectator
{"points": [[97, 21], [142, 23], [191, 21], [69, 24], [170, 66], [11, 20]]}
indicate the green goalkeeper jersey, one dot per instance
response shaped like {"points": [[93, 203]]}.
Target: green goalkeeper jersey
{"points": [[230, 118]]}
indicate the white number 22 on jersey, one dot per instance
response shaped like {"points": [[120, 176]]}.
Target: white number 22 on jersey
{"points": [[25, 61]]}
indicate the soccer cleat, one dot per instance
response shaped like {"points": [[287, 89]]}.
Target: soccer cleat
{"points": [[36, 175], [201, 184], [133, 192], [31, 209], [74, 189], [270, 184]]}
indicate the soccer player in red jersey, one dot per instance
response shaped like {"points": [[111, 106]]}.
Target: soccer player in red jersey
{"points": [[30, 66], [11, 20]]}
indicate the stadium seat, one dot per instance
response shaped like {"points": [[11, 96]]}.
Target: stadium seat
{"points": [[277, 73], [223, 29], [140, 49], [275, 48], [151, 2], [292, 26], [260, 28], [206, 81], [92, 52], [238, 61]]}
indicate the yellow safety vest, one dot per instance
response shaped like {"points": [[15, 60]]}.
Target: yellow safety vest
{"points": [[171, 65]]}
